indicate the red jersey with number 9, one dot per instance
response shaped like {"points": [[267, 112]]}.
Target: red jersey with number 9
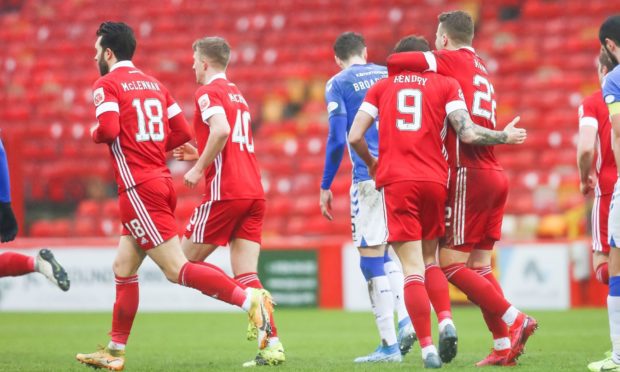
{"points": [[412, 110], [469, 70], [234, 174], [144, 106]]}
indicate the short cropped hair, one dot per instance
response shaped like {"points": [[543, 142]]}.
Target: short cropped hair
{"points": [[412, 43], [349, 44], [119, 38], [610, 29], [458, 25], [214, 48], [605, 60]]}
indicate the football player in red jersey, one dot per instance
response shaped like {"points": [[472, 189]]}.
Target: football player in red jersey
{"points": [[140, 121], [233, 207], [412, 170], [595, 136], [478, 187]]}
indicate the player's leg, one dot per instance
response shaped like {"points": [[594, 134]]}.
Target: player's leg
{"points": [[436, 285], [613, 299], [480, 262], [600, 240], [129, 257], [369, 234], [17, 264], [406, 332]]}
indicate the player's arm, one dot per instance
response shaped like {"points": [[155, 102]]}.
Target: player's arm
{"points": [[107, 112], [411, 61], [363, 120], [8, 223], [334, 148], [588, 127], [474, 134], [179, 128], [218, 135], [614, 117]]}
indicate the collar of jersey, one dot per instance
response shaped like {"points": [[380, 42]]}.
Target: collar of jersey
{"points": [[120, 64], [469, 48], [221, 75]]}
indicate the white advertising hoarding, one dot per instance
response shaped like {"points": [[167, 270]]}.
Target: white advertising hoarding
{"points": [[93, 288]]}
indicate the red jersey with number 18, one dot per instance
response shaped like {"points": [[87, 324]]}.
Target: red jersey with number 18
{"points": [[234, 174], [412, 110], [144, 106], [470, 72]]}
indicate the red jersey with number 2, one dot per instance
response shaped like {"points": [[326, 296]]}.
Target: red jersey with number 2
{"points": [[144, 106], [469, 70], [234, 174], [412, 110]]}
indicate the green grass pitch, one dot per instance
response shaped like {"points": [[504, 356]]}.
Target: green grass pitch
{"points": [[314, 341]]}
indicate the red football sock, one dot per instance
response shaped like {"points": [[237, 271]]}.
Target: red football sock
{"points": [[251, 280], [419, 308], [479, 290], [602, 273], [211, 282], [15, 264], [125, 308], [438, 292], [206, 264], [496, 325]]}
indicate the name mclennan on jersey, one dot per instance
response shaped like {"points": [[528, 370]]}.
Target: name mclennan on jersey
{"points": [[140, 85]]}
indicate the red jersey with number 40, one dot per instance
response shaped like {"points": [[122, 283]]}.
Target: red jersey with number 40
{"points": [[470, 71], [594, 112], [144, 106], [412, 110], [234, 174]]}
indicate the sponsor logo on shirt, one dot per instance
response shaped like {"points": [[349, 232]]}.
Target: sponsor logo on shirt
{"points": [[204, 102], [98, 96]]}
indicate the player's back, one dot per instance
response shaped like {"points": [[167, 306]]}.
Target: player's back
{"points": [[344, 94], [235, 173], [412, 126], [594, 112], [469, 70], [144, 106]]}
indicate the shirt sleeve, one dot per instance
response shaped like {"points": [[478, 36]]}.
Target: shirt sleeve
{"points": [[5, 184], [334, 99], [611, 92], [107, 112], [209, 104], [455, 100], [371, 101], [587, 114]]}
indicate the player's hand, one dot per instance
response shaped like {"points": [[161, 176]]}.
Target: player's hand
{"points": [[93, 129], [193, 176], [185, 152], [326, 203], [8, 223], [515, 136], [588, 185], [372, 168]]}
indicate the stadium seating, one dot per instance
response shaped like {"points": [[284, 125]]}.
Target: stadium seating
{"points": [[542, 61]]}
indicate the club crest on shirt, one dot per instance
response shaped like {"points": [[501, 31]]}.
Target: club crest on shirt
{"points": [[204, 102], [98, 96]]}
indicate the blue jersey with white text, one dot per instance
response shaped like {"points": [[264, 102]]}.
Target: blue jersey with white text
{"points": [[611, 91], [344, 94]]}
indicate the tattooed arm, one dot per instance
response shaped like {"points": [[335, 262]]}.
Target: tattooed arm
{"points": [[474, 134]]}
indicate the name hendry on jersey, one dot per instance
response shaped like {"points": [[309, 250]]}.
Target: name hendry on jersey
{"points": [[410, 79]]}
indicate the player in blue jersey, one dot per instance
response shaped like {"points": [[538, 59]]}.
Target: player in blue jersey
{"points": [[17, 264], [609, 36], [344, 94]]}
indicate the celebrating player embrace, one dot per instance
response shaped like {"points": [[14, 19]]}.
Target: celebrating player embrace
{"points": [[412, 170]]}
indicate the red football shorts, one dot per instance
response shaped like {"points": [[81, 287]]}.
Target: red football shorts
{"points": [[414, 210], [147, 212], [600, 215], [219, 222], [476, 201]]}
